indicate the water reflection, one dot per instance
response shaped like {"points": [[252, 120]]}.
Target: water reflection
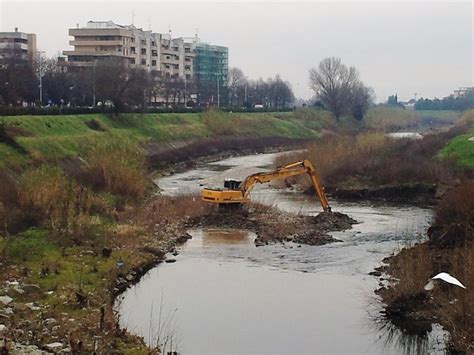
{"points": [[427, 339], [216, 236]]}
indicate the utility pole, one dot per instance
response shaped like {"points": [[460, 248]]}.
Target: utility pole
{"points": [[185, 90]]}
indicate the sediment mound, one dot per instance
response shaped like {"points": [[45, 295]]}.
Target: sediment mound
{"points": [[333, 221], [274, 226]]}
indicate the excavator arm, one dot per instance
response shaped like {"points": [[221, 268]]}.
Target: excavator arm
{"points": [[298, 168]]}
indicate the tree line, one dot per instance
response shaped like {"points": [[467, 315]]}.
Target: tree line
{"points": [[271, 93], [460, 103], [114, 84]]}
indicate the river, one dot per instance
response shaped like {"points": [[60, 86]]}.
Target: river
{"points": [[226, 296]]}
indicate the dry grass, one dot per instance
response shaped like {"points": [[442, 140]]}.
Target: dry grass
{"points": [[56, 202], [374, 160], [165, 210], [390, 119], [117, 167]]}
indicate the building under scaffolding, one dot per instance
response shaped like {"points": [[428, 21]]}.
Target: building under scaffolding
{"points": [[211, 67]]}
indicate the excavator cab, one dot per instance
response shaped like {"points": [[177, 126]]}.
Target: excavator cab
{"points": [[232, 184]]}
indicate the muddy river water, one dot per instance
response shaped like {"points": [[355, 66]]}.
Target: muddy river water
{"points": [[223, 295]]}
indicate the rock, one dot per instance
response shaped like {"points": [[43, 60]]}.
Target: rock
{"points": [[31, 289], [3, 328], [5, 300], [50, 322], [56, 346], [375, 273], [170, 260], [8, 310], [471, 139], [32, 306]]}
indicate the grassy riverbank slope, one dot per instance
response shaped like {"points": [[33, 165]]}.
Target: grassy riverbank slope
{"points": [[25, 139]]}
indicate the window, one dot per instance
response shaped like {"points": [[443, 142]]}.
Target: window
{"points": [[187, 59], [153, 63], [176, 66], [132, 50], [132, 61], [188, 77], [176, 57], [153, 43], [167, 57], [167, 66], [187, 67], [187, 50], [154, 53], [143, 62], [175, 75], [176, 49], [143, 50], [143, 41]]}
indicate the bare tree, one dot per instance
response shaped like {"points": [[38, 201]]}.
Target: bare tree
{"points": [[333, 84], [236, 80]]}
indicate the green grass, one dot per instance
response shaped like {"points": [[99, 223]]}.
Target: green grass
{"points": [[461, 150], [49, 138]]}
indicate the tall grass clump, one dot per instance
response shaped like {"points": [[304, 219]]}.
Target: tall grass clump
{"points": [[117, 167], [218, 122], [56, 202], [454, 218]]}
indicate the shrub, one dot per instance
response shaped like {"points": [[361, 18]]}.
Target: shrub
{"points": [[96, 125], [117, 167], [454, 219]]}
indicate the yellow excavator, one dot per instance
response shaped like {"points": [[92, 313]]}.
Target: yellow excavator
{"points": [[236, 193]]}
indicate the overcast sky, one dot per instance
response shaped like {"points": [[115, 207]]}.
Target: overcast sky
{"points": [[398, 47]]}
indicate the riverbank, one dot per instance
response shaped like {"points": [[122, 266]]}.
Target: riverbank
{"points": [[69, 205], [450, 249], [379, 167]]}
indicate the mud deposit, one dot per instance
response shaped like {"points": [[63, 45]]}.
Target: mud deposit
{"points": [[274, 226], [225, 295]]}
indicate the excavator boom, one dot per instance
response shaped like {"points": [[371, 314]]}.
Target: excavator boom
{"points": [[238, 193]]}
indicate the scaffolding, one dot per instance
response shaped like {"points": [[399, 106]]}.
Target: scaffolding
{"points": [[211, 67]]}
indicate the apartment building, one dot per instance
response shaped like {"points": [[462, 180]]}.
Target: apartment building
{"points": [[18, 43], [136, 47]]}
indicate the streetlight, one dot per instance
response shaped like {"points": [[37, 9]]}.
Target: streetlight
{"points": [[93, 82], [40, 71], [218, 95]]}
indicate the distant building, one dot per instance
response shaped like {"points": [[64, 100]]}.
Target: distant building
{"points": [[463, 91], [18, 43], [211, 68], [185, 58], [100, 40]]}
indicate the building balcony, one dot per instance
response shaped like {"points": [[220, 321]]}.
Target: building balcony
{"points": [[96, 43], [14, 46], [100, 32], [97, 54], [169, 51]]}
